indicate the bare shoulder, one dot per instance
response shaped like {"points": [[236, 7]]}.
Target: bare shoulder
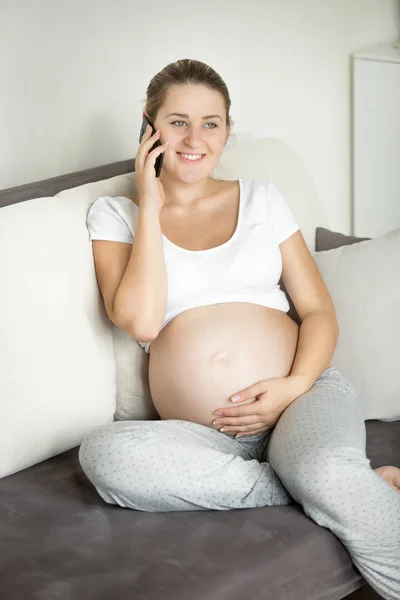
{"points": [[226, 184]]}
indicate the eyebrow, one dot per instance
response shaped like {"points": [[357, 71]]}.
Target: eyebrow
{"points": [[187, 116]]}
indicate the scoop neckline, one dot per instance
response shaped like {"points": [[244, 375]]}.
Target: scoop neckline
{"points": [[231, 239]]}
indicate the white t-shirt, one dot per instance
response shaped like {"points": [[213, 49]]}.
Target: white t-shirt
{"points": [[246, 268]]}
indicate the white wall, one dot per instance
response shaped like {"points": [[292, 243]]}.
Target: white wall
{"points": [[73, 76]]}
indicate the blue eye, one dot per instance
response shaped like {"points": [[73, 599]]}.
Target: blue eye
{"points": [[178, 124]]}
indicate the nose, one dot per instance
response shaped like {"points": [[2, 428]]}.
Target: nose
{"points": [[193, 137]]}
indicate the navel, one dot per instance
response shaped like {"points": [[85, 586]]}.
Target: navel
{"points": [[220, 357]]}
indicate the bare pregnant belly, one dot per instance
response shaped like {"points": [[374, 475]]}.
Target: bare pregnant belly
{"points": [[204, 355]]}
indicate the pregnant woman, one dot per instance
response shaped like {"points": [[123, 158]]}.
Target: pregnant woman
{"points": [[252, 411]]}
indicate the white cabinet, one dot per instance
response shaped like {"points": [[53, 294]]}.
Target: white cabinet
{"points": [[376, 140]]}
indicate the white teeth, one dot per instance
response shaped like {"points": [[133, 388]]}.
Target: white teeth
{"points": [[191, 156]]}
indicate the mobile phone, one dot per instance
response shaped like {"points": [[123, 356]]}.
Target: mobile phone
{"points": [[160, 158]]}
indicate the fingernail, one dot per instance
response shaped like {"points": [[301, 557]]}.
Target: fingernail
{"points": [[219, 414], [235, 398]]}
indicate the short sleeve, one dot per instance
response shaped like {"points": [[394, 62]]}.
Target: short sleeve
{"points": [[107, 220], [282, 221]]}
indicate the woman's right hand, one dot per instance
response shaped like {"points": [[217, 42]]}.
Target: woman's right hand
{"points": [[149, 187]]}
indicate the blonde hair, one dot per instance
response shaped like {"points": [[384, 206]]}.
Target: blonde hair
{"points": [[183, 72]]}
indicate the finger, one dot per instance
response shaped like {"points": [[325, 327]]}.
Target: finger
{"points": [[152, 139], [232, 421], [148, 131], [242, 400], [152, 156], [250, 392], [148, 134], [145, 145], [239, 411]]}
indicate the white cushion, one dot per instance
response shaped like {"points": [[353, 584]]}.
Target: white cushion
{"points": [[133, 399], [57, 362], [363, 280]]}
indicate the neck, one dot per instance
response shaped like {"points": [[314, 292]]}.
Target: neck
{"points": [[180, 193]]}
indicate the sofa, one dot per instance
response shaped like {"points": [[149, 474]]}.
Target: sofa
{"points": [[66, 370]]}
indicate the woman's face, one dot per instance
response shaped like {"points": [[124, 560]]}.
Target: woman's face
{"points": [[193, 121]]}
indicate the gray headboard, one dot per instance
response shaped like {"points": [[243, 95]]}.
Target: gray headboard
{"points": [[51, 187]]}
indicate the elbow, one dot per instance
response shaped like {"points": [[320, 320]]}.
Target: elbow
{"points": [[141, 332], [144, 337], [141, 327]]}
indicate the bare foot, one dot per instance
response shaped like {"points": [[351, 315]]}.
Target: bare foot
{"points": [[391, 475]]}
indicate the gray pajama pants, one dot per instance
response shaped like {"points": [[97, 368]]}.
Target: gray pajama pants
{"points": [[316, 456]]}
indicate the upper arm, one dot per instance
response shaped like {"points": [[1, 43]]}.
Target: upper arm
{"points": [[300, 274], [302, 278], [110, 223], [111, 260]]}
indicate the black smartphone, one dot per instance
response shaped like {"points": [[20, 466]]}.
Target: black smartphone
{"points": [[159, 159]]}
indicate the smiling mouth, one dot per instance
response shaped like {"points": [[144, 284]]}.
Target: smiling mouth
{"points": [[190, 157]]}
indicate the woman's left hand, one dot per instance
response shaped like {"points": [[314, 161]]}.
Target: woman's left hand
{"points": [[272, 397]]}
